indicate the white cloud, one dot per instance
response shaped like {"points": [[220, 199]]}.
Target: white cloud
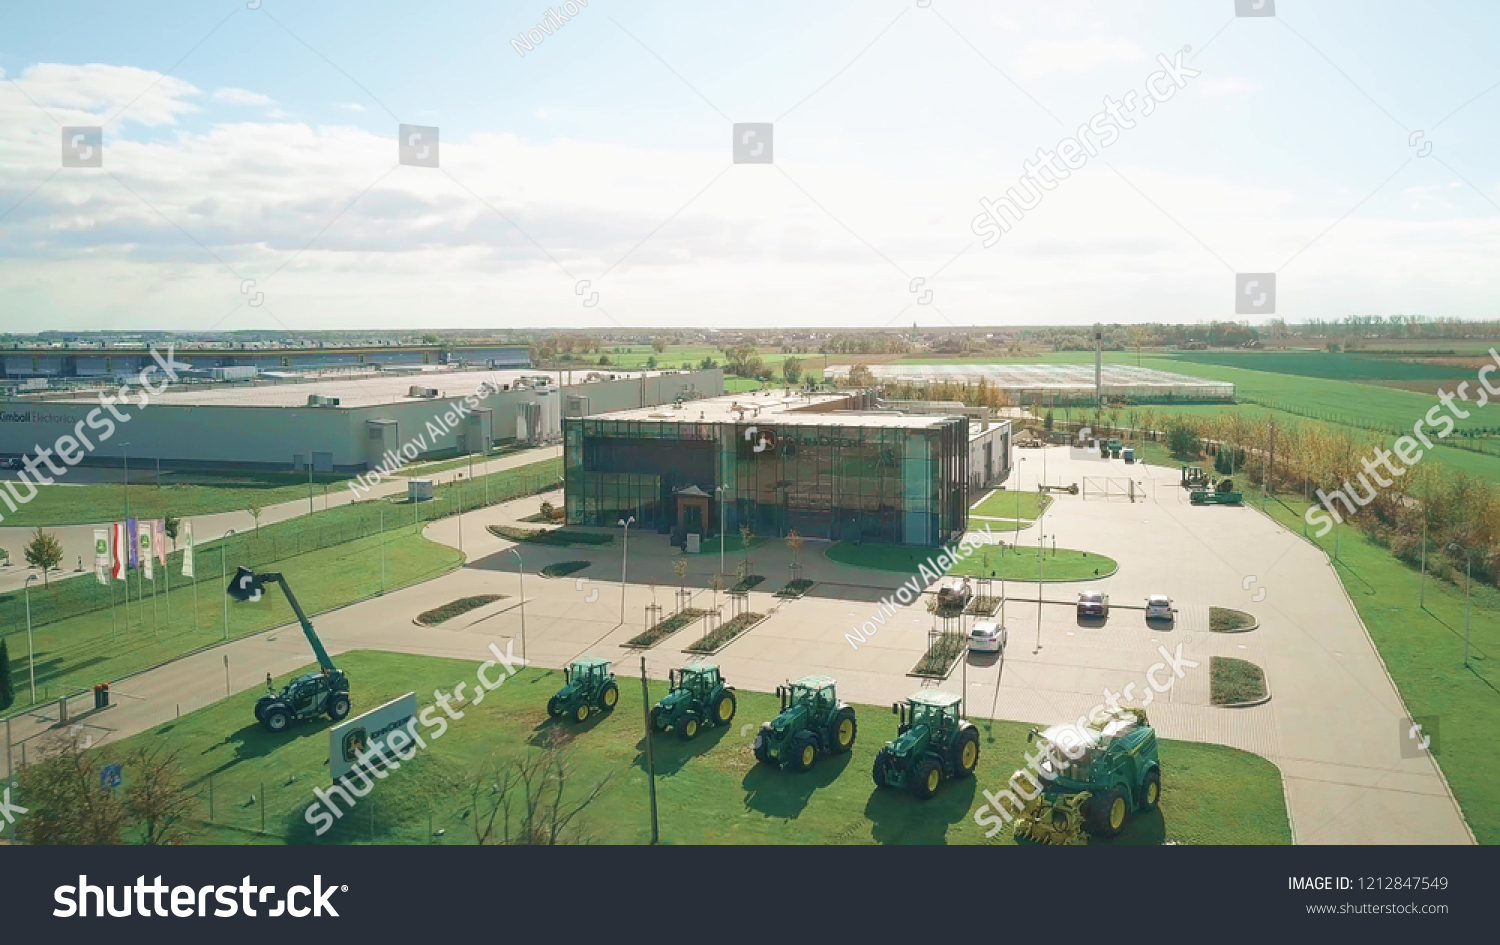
{"points": [[240, 97], [350, 106], [1046, 57], [84, 93]]}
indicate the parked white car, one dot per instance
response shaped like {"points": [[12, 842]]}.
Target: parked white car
{"points": [[1159, 607], [987, 637]]}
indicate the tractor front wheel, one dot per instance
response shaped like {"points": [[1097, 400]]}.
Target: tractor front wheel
{"points": [[581, 713], [803, 753], [927, 779], [609, 697], [966, 753], [724, 708], [277, 719], [338, 707], [656, 723], [880, 769], [1108, 811], [762, 746], [844, 731], [554, 708], [687, 726], [1151, 790]]}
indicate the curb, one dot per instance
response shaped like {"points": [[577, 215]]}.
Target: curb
{"points": [[726, 643]]}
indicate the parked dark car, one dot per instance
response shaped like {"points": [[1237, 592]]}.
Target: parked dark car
{"points": [[1093, 604]]}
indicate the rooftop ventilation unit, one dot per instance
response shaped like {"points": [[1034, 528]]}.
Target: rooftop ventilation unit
{"points": [[428, 393], [318, 400]]}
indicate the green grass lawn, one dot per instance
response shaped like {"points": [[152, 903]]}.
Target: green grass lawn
{"points": [[1015, 563], [333, 557], [201, 494], [709, 791], [1004, 503], [1423, 649]]}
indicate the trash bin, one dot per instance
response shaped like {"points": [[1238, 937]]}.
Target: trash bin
{"points": [[101, 696]]}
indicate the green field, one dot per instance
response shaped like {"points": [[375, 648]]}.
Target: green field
{"points": [[82, 636], [1423, 649], [1012, 505], [1017, 563], [709, 791], [181, 495]]}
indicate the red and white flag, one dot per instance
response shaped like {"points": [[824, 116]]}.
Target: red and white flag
{"points": [[118, 549]]}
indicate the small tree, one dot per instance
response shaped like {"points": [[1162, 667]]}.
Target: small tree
{"points": [[791, 370], [172, 525], [65, 804], [7, 691], [861, 376], [255, 509], [1047, 421], [44, 551], [746, 533], [1182, 440], [794, 545], [659, 344], [156, 800]]}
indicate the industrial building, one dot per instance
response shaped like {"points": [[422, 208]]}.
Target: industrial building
{"points": [[829, 466], [345, 425], [47, 363]]}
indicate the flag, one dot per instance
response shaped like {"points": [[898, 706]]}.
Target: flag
{"points": [[117, 550], [187, 549], [101, 555], [145, 556], [132, 539], [159, 539]]}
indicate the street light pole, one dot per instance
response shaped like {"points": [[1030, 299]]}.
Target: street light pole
{"points": [[30, 654], [1468, 581], [521, 574], [382, 550], [624, 523]]}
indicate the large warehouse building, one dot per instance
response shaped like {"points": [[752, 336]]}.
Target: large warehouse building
{"points": [[345, 425], [832, 466], [59, 363]]}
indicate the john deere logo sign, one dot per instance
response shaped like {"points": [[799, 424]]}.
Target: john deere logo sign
{"points": [[101, 546], [355, 742], [352, 738]]}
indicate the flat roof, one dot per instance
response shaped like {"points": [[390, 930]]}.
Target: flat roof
{"points": [[351, 392], [774, 408]]}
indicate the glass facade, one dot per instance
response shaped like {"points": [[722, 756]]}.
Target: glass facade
{"points": [[833, 481]]}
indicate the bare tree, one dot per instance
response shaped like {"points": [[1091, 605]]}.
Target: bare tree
{"points": [[528, 800], [156, 799], [255, 509]]}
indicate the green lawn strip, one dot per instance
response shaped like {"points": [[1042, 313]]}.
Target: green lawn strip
{"points": [[74, 617], [563, 568], [1423, 650], [418, 470], [1233, 681], [456, 608], [1228, 620], [1004, 504], [1015, 563], [558, 537], [200, 494], [709, 791], [746, 583], [77, 652], [664, 628], [725, 632]]}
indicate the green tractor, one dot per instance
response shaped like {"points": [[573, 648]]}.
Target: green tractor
{"points": [[1096, 777], [587, 685], [698, 697], [1222, 494], [933, 742], [812, 721], [1194, 478]]}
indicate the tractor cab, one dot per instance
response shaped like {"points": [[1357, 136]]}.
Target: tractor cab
{"points": [[815, 692], [699, 680], [933, 743], [588, 672], [938, 711]]}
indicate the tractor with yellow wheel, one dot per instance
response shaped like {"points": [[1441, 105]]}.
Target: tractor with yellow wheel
{"points": [[933, 743], [588, 685], [698, 699], [1094, 776], [812, 722]]}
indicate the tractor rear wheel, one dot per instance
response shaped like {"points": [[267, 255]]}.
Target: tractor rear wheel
{"points": [[581, 713], [687, 726], [1108, 811], [338, 706], [844, 730], [277, 719], [927, 779], [554, 708], [803, 753], [1151, 789], [609, 697], [881, 767], [724, 708], [966, 753]]}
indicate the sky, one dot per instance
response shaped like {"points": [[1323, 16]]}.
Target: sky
{"points": [[252, 177]]}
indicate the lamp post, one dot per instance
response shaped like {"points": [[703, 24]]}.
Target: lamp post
{"points": [[624, 523], [1018, 498], [30, 657], [719, 490], [224, 576], [1468, 581], [521, 575], [382, 550]]}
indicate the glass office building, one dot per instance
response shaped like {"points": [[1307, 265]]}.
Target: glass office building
{"points": [[801, 463]]}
